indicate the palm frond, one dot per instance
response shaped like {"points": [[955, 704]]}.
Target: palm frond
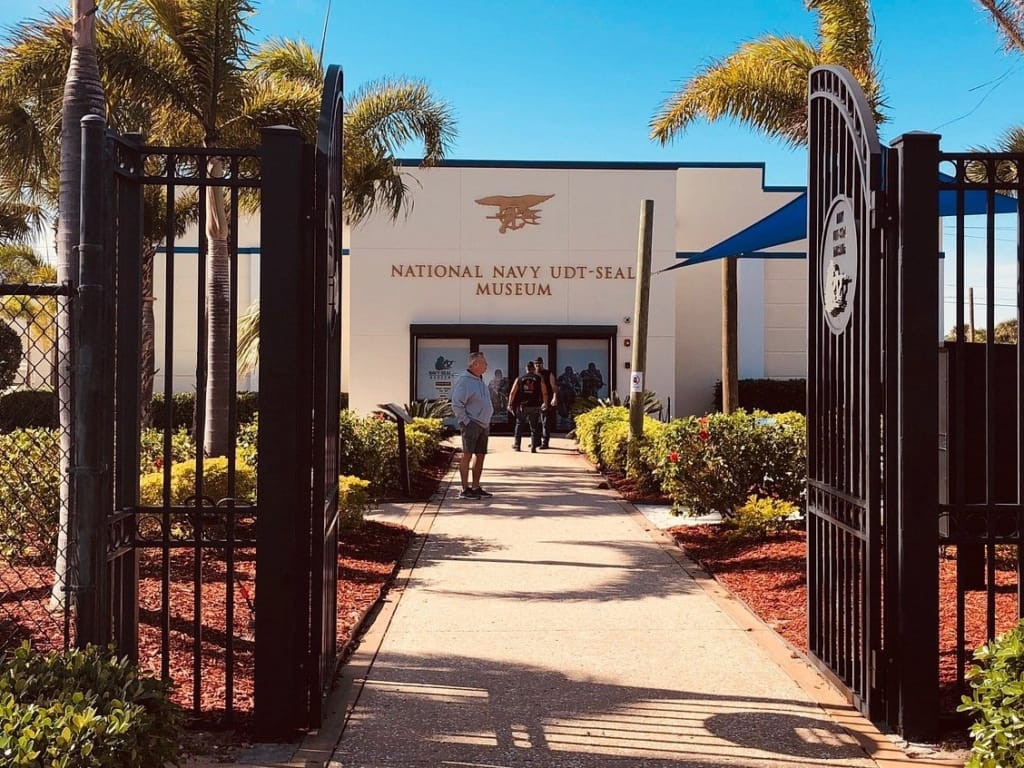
{"points": [[391, 113], [762, 84], [279, 60], [1008, 16]]}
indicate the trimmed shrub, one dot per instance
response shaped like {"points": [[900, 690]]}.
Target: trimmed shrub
{"points": [[183, 482], [590, 424], [759, 517], [84, 709], [996, 701], [29, 494], [183, 408], [28, 409], [353, 501], [771, 395], [10, 354], [715, 462]]}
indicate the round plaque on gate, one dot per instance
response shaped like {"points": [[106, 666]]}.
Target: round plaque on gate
{"points": [[838, 264]]}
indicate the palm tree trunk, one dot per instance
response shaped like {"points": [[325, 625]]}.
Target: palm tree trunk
{"points": [[148, 352], [83, 95], [219, 359], [730, 357]]}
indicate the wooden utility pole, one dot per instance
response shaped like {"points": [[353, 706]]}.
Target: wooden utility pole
{"points": [[640, 311], [730, 356]]}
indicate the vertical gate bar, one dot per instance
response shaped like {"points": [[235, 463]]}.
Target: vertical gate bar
{"points": [[229, 510], [207, 189], [959, 425], [128, 362], [283, 490], [918, 500], [1019, 293], [990, 413], [891, 472], [170, 240]]}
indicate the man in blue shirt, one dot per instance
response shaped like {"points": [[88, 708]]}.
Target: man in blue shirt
{"points": [[471, 402]]}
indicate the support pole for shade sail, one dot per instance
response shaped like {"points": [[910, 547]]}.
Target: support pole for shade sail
{"points": [[640, 311]]}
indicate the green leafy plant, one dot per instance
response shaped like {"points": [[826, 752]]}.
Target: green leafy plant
{"points": [[29, 495], [353, 501], [760, 517], [715, 462], [430, 409], [183, 482], [84, 709], [996, 702], [151, 448]]}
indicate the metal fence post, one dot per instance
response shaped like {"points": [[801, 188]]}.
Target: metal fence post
{"points": [[89, 469], [917, 455], [284, 440]]}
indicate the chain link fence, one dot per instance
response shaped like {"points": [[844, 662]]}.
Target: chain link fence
{"points": [[36, 546]]}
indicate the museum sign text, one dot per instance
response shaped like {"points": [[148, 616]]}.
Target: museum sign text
{"points": [[512, 280]]}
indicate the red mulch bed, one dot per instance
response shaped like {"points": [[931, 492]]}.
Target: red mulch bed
{"points": [[368, 558]]}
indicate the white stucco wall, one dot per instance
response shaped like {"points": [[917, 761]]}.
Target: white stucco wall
{"points": [[714, 203], [574, 267]]}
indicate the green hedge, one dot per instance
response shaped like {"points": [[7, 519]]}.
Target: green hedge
{"points": [[183, 407], [10, 354], [770, 395], [84, 709], [28, 409]]}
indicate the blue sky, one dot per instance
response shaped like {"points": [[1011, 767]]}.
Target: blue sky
{"points": [[580, 80]]}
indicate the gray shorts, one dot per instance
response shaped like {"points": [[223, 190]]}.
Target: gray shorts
{"points": [[474, 438]]}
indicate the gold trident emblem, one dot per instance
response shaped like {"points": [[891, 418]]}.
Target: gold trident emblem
{"points": [[514, 211]]}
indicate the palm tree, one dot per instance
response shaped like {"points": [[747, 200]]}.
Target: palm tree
{"points": [[764, 85], [380, 118]]}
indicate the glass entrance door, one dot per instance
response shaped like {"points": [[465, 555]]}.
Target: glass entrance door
{"points": [[499, 380]]}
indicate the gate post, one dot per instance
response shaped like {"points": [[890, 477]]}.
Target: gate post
{"points": [[284, 440], [912, 438], [93, 409]]}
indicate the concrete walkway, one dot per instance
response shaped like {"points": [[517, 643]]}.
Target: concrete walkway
{"points": [[554, 626]]}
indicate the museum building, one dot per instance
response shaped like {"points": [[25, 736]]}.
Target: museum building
{"points": [[522, 260], [527, 259]]}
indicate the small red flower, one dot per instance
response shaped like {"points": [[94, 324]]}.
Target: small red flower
{"points": [[704, 435], [159, 463], [673, 457]]}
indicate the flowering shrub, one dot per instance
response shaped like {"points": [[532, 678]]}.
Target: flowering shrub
{"points": [[715, 462]]}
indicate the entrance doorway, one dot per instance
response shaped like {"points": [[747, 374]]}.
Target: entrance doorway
{"points": [[580, 357]]}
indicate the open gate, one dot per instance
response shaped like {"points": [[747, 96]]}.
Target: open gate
{"points": [[872, 414], [287, 634]]}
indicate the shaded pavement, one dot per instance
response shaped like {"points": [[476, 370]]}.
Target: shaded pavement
{"points": [[554, 626]]}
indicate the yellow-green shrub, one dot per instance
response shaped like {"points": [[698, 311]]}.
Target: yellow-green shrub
{"points": [[183, 482], [760, 516], [590, 424], [353, 501]]}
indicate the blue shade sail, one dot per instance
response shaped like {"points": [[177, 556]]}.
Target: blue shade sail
{"points": [[789, 223]]}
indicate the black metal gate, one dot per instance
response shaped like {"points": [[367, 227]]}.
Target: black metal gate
{"points": [[200, 557], [844, 407]]}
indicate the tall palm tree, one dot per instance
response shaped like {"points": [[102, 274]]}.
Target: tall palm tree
{"points": [[380, 118], [764, 85]]}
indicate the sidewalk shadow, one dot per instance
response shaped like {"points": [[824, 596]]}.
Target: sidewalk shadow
{"points": [[423, 710]]}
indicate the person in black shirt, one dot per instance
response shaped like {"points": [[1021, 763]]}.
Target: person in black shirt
{"points": [[524, 402], [548, 409]]}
